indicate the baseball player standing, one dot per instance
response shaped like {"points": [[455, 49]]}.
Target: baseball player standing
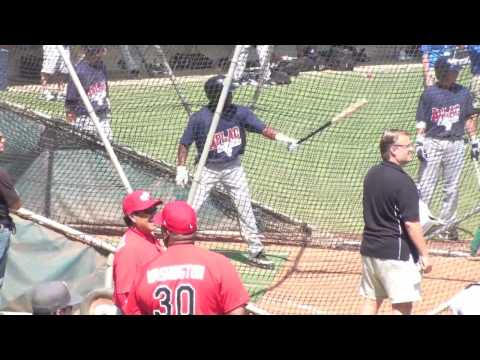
{"points": [[53, 65], [431, 53], [186, 280], [223, 162], [92, 73], [137, 246], [444, 112], [263, 57]]}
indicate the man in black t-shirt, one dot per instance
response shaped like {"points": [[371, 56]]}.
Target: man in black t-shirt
{"points": [[9, 200], [393, 249]]}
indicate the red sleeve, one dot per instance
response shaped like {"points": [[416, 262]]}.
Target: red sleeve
{"points": [[120, 300], [131, 306], [232, 292], [124, 270]]}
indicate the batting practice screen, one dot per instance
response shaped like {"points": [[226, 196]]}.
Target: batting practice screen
{"points": [[307, 203]]}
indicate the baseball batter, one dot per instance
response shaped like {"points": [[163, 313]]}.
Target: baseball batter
{"points": [[53, 65], [186, 280], [431, 53], [223, 162], [444, 112], [92, 73]]}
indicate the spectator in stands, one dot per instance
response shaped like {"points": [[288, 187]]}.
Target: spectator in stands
{"points": [[393, 249], [53, 298], [9, 200], [54, 67], [92, 74], [4, 67], [264, 54], [430, 55], [474, 53]]}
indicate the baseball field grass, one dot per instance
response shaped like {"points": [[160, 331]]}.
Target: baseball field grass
{"points": [[321, 182]]}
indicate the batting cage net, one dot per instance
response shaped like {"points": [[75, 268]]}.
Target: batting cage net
{"points": [[307, 203]]}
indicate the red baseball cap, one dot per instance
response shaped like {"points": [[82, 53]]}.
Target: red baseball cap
{"points": [[139, 200], [177, 217]]}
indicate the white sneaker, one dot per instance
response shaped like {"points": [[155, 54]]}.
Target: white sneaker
{"points": [[60, 97]]}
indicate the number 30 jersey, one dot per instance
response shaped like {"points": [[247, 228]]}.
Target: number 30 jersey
{"points": [[187, 280]]}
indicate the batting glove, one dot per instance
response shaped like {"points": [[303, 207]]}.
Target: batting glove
{"points": [[420, 149], [292, 144], [182, 176], [474, 151]]}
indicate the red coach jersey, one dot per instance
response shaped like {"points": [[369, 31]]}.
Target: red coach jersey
{"points": [[134, 251], [187, 280]]}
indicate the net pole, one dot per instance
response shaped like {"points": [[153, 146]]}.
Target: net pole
{"points": [[173, 80], [93, 116], [216, 117]]}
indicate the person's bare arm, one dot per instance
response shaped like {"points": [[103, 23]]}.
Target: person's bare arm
{"points": [[415, 233], [182, 154], [471, 126], [16, 205], [426, 68], [238, 311]]}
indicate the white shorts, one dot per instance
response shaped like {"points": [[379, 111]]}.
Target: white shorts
{"points": [[53, 61], [396, 280]]}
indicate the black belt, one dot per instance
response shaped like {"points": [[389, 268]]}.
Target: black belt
{"points": [[7, 226]]}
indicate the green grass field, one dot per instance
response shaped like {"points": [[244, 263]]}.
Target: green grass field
{"points": [[321, 182]]}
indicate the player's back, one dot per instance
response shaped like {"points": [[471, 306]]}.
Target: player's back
{"points": [[188, 280]]}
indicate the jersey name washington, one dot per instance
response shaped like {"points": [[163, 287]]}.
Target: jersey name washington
{"points": [[176, 272], [446, 116], [225, 141]]}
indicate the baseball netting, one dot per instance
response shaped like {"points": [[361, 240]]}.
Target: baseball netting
{"points": [[307, 203]]}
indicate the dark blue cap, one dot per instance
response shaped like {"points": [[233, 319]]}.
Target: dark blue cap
{"points": [[444, 65]]}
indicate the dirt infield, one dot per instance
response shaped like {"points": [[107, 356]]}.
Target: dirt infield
{"points": [[320, 281], [315, 281]]}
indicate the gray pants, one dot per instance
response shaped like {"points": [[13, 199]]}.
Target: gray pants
{"points": [[447, 156], [133, 55], [85, 123], [234, 180], [263, 56]]}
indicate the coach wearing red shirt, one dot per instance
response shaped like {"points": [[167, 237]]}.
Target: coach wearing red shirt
{"points": [[186, 280], [137, 246]]}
